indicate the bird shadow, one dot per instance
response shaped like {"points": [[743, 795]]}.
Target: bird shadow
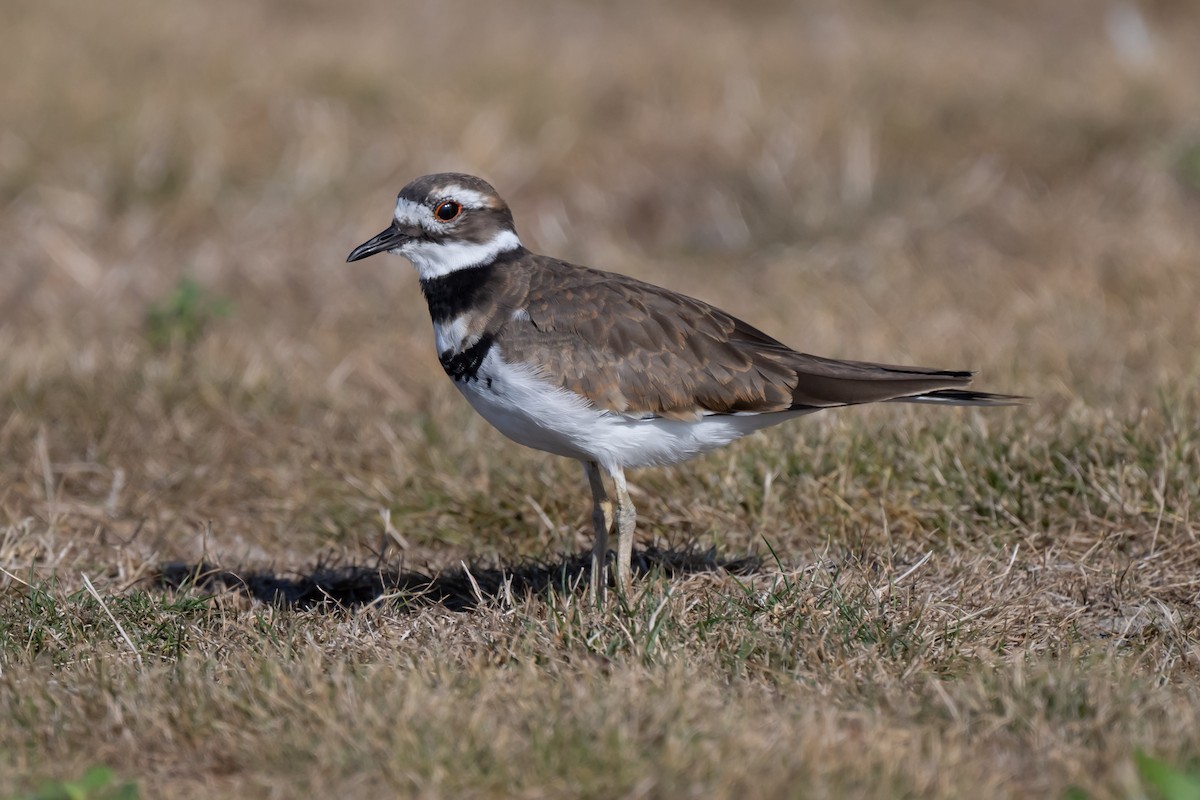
{"points": [[331, 584]]}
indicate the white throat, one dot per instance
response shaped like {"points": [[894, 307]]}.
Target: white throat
{"points": [[435, 259]]}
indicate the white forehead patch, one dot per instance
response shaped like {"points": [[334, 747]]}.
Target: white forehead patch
{"points": [[409, 213]]}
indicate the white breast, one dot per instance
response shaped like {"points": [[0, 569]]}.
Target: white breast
{"points": [[530, 410], [449, 335]]}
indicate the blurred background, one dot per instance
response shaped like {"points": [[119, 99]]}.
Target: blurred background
{"points": [[185, 357]]}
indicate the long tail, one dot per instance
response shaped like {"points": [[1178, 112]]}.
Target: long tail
{"points": [[826, 382]]}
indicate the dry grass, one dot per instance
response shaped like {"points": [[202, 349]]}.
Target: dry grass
{"points": [[949, 603]]}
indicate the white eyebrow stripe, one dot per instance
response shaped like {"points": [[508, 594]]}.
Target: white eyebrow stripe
{"points": [[469, 197], [409, 212]]}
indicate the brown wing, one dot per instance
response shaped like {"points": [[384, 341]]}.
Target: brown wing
{"points": [[638, 349]]}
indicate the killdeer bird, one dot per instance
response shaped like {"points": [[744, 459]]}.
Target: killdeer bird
{"points": [[604, 368]]}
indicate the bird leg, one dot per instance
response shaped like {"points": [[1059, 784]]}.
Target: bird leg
{"points": [[602, 516], [626, 520]]}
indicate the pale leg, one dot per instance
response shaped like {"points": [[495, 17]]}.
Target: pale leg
{"points": [[602, 514], [626, 520]]}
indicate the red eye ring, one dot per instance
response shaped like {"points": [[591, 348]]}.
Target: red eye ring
{"points": [[447, 210]]}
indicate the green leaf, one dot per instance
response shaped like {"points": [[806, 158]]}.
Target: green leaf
{"points": [[1171, 783], [96, 784]]}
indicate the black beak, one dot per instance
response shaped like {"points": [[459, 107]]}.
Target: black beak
{"points": [[389, 239]]}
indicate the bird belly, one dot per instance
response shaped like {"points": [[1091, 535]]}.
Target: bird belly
{"points": [[531, 410]]}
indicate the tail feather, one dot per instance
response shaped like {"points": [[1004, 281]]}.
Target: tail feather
{"points": [[962, 397], [826, 382]]}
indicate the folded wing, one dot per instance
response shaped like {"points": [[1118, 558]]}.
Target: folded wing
{"points": [[639, 350]]}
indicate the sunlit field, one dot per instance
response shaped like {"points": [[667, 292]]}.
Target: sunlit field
{"points": [[254, 544]]}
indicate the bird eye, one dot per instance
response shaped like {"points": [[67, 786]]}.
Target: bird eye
{"points": [[447, 210]]}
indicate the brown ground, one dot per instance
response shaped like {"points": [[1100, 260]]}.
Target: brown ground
{"points": [[948, 603]]}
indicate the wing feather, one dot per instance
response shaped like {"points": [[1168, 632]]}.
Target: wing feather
{"points": [[637, 349]]}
